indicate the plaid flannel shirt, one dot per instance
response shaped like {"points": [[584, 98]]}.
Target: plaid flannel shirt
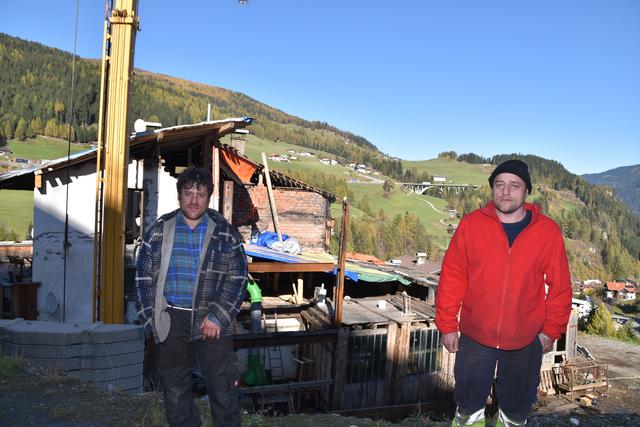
{"points": [[222, 281], [185, 262]]}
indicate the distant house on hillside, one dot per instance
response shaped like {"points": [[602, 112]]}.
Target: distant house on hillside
{"points": [[278, 158], [620, 291], [327, 161], [439, 179]]}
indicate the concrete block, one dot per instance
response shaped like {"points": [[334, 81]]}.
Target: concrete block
{"points": [[27, 351], [109, 349], [101, 333], [46, 333], [110, 356], [105, 362], [108, 375]]}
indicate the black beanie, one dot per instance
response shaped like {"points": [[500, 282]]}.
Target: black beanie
{"points": [[516, 167]]}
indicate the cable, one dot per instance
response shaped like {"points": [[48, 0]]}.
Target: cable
{"points": [[68, 173]]}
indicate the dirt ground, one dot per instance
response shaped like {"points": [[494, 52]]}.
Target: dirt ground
{"points": [[38, 397]]}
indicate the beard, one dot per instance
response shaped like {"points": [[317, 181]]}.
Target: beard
{"points": [[507, 207]]}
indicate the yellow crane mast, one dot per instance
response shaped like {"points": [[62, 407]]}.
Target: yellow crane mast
{"points": [[121, 24]]}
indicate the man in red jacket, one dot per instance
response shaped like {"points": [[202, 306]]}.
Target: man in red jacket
{"points": [[504, 297]]}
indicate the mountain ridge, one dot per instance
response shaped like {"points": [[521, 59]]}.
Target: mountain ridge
{"points": [[602, 234], [625, 181]]}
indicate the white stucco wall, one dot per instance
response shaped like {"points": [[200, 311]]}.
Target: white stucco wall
{"points": [[75, 295]]}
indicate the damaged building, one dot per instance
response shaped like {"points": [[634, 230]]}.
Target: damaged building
{"points": [[378, 348]]}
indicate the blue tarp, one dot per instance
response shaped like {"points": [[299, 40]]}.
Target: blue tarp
{"points": [[266, 253]]}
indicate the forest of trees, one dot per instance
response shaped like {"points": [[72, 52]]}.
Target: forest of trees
{"points": [[602, 221], [35, 100]]}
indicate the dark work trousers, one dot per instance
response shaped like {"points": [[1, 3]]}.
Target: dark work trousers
{"points": [[517, 377], [176, 360]]}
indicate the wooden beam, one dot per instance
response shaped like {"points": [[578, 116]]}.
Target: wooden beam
{"points": [[339, 292], [227, 201], [267, 339], [272, 202], [339, 373], [392, 355], [284, 267], [227, 127], [285, 388], [215, 197], [300, 289]]}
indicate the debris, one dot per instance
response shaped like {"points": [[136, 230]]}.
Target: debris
{"points": [[574, 421], [585, 401]]}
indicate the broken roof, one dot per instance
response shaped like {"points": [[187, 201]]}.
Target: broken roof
{"points": [[176, 145], [173, 143]]}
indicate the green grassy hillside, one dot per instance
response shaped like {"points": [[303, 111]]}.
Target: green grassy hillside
{"points": [[454, 171], [400, 202], [16, 212], [16, 207], [43, 147]]}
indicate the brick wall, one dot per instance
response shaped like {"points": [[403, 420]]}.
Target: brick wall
{"points": [[301, 214]]}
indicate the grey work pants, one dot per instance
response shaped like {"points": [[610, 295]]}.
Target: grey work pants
{"points": [[176, 361]]}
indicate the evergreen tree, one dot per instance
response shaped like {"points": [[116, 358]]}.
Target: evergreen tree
{"points": [[8, 129], [21, 129], [601, 322], [35, 128]]}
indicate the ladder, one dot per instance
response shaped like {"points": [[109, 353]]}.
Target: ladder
{"points": [[274, 355]]}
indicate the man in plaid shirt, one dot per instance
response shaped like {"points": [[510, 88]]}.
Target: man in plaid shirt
{"points": [[191, 278]]}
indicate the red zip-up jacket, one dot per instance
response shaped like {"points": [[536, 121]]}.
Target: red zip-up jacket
{"points": [[498, 291]]}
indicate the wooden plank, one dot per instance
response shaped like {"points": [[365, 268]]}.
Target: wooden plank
{"points": [[339, 291], [215, 165], [390, 363], [285, 388], [419, 307], [283, 338], [390, 312], [567, 387], [401, 362], [300, 289], [339, 373], [284, 267], [321, 317], [227, 200], [272, 202], [354, 314], [312, 322]]}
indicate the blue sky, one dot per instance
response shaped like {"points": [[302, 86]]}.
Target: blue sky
{"points": [[558, 79]]}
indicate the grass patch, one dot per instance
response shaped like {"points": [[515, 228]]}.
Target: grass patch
{"points": [[399, 203], [9, 366], [16, 211], [255, 146], [43, 148], [454, 171]]}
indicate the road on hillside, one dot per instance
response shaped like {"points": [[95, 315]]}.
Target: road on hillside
{"points": [[433, 207]]}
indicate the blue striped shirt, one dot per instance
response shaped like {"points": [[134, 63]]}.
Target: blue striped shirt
{"points": [[184, 263]]}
